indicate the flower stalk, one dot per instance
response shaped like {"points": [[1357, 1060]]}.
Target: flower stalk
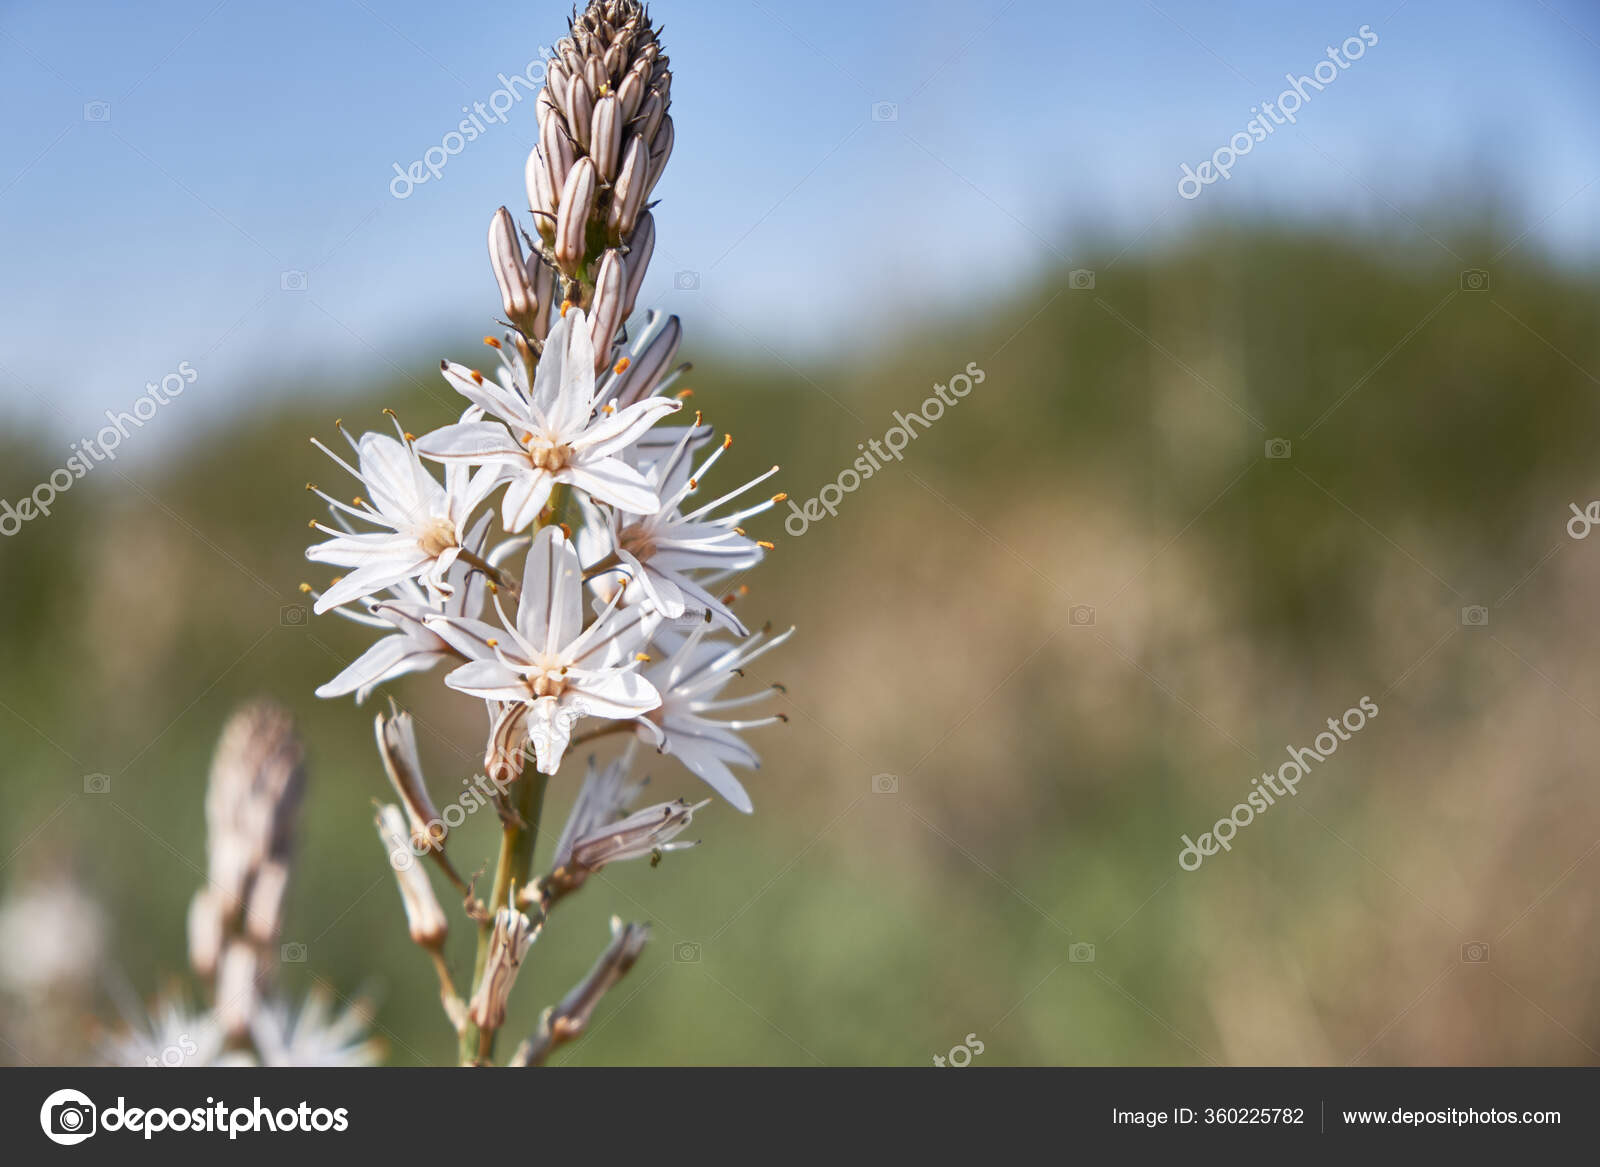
{"points": [[617, 627]]}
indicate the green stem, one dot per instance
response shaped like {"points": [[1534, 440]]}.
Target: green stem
{"points": [[515, 866]]}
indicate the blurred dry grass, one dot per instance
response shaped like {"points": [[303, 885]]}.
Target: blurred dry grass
{"points": [[1114, 458]]}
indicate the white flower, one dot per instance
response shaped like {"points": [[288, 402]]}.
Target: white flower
{"points": [[551, 672], [425, 523], [172, 1037], [664, 550], [411, 645], [314, 1036], [605, 794], [689, 680], [551, 434]]}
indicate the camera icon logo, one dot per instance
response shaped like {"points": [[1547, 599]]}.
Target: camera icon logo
{"points": [[1278, 448], [885, 111], [68, 1117], [686, 281], [293, 952], [1081, 953], [1474, 279], [686, 952], [1080, 279], [292, 281], [885, 784], [1475, 952], [1081, 615], [97, 783], [97, 111], [1475, 616], [292, 615]]}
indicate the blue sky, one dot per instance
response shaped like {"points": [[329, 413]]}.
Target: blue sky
{"points": [[242, 141]]}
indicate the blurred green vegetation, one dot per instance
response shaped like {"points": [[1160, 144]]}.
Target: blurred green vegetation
{"points": [[1115, 456]]}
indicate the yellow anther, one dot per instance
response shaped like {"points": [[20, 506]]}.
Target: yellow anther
{"points": [[492, 342], [621, 366]]}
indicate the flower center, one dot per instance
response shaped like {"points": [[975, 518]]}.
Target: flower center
{"points": [[437, 537], [545, 454], [638, 540]]}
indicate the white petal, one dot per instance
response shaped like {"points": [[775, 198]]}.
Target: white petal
{"points": [[391, 657], [612, 434], [525, 498], [714, 773], [550, 613], [485, 393], [612, 694], [372, 578], [473, 441], [488, 679], [611, 480]]}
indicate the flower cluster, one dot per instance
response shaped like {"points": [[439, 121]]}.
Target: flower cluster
{"points": [[552, 546]]}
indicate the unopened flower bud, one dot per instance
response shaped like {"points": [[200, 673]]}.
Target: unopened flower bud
{"points": [[660, 151], [649, 362], [630, 93], [594, 73], [542, 196], [556, 146], [609, 309], [650, 114], [572, 220], [205, 933], [397, 746], [542, 278], [627, 194], [556, 80], [580, 110], [508, 944], [424, 916], [511, 272], [605, 139], [641, 246]]}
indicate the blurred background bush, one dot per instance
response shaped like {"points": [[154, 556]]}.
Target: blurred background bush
{"points": [[1280, 452]]}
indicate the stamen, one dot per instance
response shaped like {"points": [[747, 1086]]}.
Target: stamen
{"points": [[492, 342], [621, 366]]}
